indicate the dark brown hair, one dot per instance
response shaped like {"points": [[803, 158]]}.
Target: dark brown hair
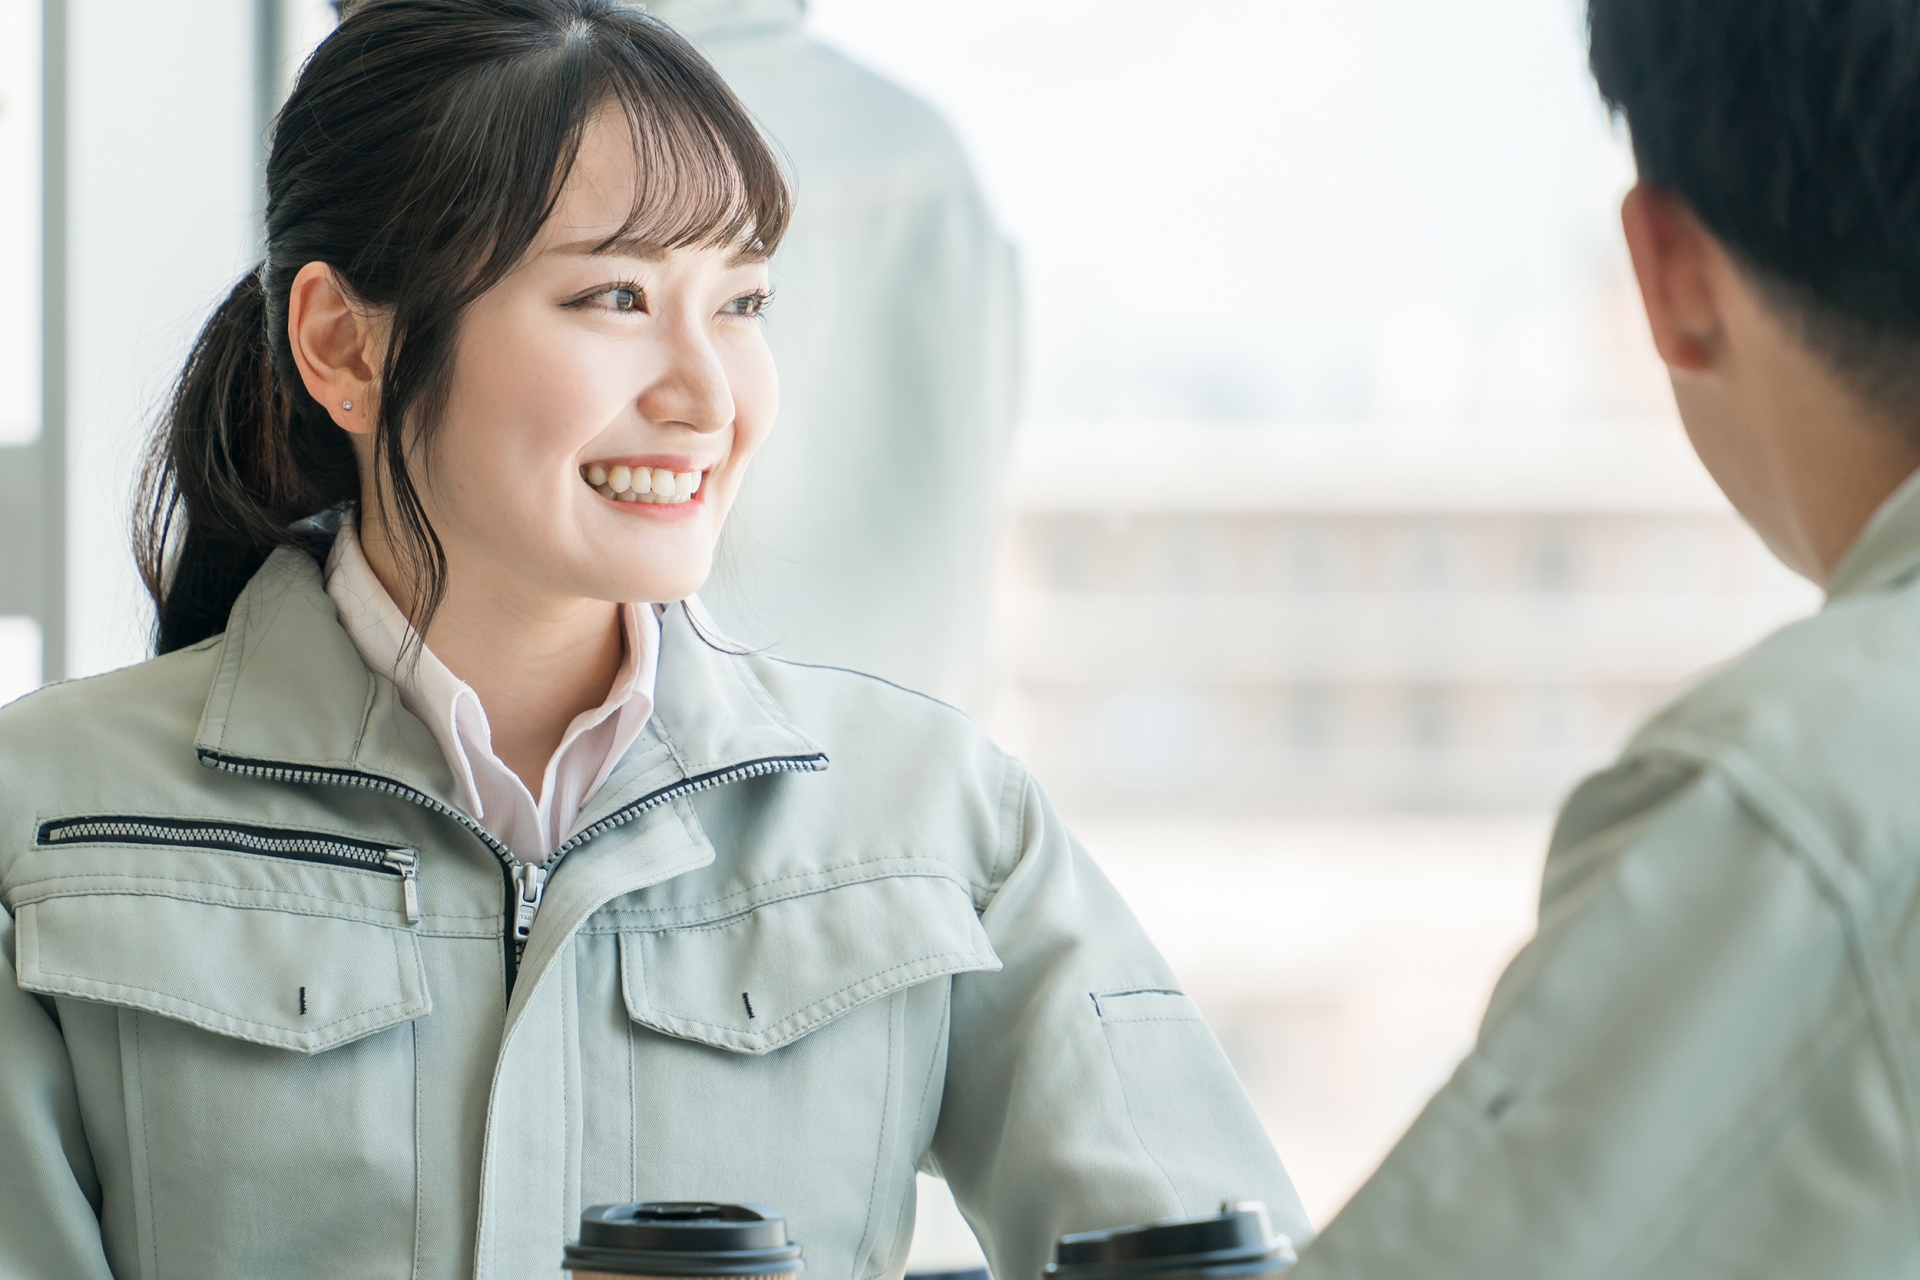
{"points": [[1790, 128], [421, 151]]}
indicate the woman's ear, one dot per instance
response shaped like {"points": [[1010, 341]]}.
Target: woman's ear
{"points": [[336, 347], [1673, 256]]}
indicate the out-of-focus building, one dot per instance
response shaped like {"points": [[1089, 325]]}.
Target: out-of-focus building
{"points": [[1263, 620]]}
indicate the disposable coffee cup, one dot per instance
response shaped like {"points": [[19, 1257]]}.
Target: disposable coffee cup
{"points": [[1239, 1241], [665, 1240]]}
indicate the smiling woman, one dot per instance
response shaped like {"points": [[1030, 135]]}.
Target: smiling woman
{"points": [[443, 874]]}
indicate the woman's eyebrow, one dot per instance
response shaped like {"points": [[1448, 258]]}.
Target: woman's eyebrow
{"points": [[619, 247]]}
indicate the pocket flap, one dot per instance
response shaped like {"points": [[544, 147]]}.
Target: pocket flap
{"points": [[296, 981], [760, 980]]}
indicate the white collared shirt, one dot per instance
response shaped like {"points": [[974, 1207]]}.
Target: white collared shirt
{"points": [[493, 794]]}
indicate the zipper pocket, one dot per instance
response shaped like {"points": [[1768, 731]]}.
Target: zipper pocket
{"points": [[301, 846]]}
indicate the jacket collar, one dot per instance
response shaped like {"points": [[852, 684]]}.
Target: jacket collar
{"points": [[1888, 553], [292, 695]]}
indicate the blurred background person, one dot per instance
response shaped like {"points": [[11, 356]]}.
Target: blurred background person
{"points": [[867, 529]]}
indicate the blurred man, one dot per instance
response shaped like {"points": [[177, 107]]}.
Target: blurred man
{"points": [[1707, 1063], [864, 537]]}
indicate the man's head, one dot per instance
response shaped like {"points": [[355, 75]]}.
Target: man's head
{"points": [[1776, 235]]}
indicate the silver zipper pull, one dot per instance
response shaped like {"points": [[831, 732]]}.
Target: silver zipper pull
{"points": [[531, 883], [407, 863]]}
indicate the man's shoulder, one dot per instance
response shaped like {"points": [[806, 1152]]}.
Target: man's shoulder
{"points": [[1820, 719], [1846, 679]]}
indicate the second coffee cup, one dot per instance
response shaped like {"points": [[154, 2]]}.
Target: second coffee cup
{"points": [[682, 1239], [1238, 1243]]}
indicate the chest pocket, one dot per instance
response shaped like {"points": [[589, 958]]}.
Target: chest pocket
{"points": [[252, 1007], [758, 981], [780, 1054], [280, 938]]}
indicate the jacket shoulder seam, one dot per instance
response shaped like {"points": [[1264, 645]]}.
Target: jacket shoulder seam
{"points": [[1850, 897]]}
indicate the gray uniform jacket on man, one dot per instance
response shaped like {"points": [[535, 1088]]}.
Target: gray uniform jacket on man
{"points": [[261, 1014], [1707, 1063], [865, 535]]}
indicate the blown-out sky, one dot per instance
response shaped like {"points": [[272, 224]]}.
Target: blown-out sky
{"points": [[1286, 209]]}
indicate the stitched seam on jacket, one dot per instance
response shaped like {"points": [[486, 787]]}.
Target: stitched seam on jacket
{"points": [[936, 1057], [146, 1143], [867, 873], [419, 1179], [1799, 829], [1126, 1100], [1804, 840], [222, 1014], [725, 923], [685, 1020], [865, 1243], [160, 889], [1012, 835]]}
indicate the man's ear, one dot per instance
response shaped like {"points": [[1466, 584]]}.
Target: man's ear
{"points": [[336, 347], [1673, 258]]}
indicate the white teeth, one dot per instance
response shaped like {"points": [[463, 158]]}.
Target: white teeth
{"points": [[642, 484]]}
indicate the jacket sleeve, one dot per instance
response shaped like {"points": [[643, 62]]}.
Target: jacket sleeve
{"points": [[1083, 1090], [49, 1195], [1680, 1075]]}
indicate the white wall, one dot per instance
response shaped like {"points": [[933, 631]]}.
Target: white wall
{"points": [[163, 171]]}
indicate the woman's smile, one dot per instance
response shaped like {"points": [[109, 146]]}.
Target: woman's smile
{"points": [[661, 487]]}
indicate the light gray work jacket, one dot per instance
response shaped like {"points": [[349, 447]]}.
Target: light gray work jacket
{"points": [[264, 1013], [1707, 1063]]}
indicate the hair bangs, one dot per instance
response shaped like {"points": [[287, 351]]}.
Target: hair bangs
{"points": [[706, 176]]}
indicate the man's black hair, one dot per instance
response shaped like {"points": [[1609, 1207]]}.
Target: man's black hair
{"points": [[1792, 128]]}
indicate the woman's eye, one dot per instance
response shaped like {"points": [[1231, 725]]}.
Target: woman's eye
{"points": [[615, 297], [750, 305]]}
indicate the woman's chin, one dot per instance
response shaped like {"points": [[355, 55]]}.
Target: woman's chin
{"points": [[653, 587]]}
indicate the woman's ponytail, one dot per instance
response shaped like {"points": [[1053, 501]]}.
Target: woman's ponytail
{"points": [[236, 464]]}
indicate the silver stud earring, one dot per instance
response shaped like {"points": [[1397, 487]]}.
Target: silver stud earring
{"points": [[346, 404]]}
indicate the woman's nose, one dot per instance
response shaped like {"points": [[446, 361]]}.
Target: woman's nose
{"points": [[692, 389]]}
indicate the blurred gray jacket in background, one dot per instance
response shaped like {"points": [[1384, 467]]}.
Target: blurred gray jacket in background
{"points": [[865, 535]]}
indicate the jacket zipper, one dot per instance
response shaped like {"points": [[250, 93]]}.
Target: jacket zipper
{"points": [[526, 883], [301, 846]]}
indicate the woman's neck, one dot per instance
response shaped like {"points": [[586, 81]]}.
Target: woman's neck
{"points": [[534, 659]]}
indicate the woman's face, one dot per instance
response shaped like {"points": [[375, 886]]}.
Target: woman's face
{"points": [[586, 375]]}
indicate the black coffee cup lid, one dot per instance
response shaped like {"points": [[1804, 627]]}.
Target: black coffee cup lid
{"points": [[684, 1238], [1237, 1241]]}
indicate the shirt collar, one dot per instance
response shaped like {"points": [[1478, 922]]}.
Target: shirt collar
{"points": [[1887, 550], [293, 697], [444, 702]]}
